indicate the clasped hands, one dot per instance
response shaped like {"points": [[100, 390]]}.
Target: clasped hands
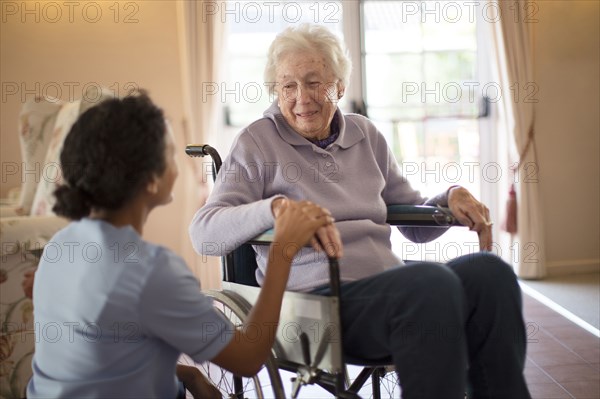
{"points": [[303, 222]]}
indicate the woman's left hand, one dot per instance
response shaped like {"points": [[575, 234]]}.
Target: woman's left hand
{"points": [[472, 214], [328, 236], [327, 239]]}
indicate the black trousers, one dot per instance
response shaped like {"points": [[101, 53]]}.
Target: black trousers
{"points": [[447, 328]]}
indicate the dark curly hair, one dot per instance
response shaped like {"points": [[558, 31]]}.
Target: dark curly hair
{"points": [[111, 152]]}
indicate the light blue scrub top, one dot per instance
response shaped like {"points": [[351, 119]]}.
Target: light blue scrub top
{"points": [[113, 313]]}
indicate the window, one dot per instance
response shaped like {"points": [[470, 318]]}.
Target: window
{"points": [[420, 74], [419, 64]]}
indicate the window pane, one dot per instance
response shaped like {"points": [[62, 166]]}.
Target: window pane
{"points": [[408, 142], [390, 77], [443, 152], [449, 27], [420, 60], [415, 26], [388, 29], [449, 66], [249, 44], [451, 77], [245, 93]]}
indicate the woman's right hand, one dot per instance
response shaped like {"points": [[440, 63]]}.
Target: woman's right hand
{"points": [[303, 222]]}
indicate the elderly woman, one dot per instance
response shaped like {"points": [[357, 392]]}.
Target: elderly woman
{"points": [[438, 323]]}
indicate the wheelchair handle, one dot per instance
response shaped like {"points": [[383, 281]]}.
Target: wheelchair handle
{"points": [[202, 150]]}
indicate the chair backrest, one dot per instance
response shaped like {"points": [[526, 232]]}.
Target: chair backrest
{"points": [[43, 125], [244, 265], [240, 265]]}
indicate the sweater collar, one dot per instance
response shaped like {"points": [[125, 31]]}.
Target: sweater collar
{"points": [[346, 139]]}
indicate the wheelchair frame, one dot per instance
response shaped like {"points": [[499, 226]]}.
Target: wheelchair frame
{"points": [[320, 360]]}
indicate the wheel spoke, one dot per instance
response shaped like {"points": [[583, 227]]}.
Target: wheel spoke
{"points": [[251, 387], [389, 385]]}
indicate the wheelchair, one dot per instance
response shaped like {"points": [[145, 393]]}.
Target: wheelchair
{"points": [[309, 336]]}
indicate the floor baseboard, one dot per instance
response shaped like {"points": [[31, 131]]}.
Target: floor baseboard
{"points": [[574, 266]]}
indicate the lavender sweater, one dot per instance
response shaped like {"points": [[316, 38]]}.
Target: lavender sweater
{"points": [[356, 177]]}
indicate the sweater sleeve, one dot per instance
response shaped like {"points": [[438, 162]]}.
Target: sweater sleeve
{"points": [[426, 234], [235, 210], [399, 191]]}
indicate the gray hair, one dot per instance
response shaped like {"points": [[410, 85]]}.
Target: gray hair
{"points": [[308, 37]]}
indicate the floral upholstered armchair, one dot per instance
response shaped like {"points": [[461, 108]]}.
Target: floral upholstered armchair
{"points": [[27, 224]]}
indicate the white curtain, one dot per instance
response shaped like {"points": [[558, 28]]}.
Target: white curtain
{"points": [[513, 41], [201, 37]]}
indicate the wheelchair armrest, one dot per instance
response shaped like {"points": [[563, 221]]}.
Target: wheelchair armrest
{"points": [[420, 215], [398, 215], [264, 238]]}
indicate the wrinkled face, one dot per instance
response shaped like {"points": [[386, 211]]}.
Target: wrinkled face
{"points": [[308, 93]]}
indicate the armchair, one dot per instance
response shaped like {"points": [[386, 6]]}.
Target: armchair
{"points": [[28, 223]]}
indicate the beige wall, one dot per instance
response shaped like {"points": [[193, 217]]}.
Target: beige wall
{"points": [[567, 48], [55, 52]]}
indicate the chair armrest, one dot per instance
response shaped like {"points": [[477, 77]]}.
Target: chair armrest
{"points": [[398, 215], [263, 238], [28, 229], [12, 197], [420, 215], [19, 238], [8, 210]]}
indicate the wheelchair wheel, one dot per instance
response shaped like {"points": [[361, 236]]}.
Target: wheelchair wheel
{"points": [[266, 384], [389, 384]]}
